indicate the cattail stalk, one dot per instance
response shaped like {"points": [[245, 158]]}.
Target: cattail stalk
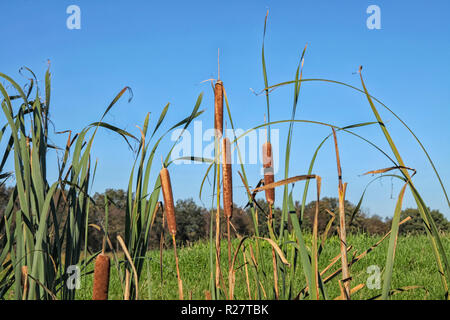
{"points": [[218, 232], [218, 130], [227, 179], [24, 281], [275, 274], [342, 233], [180, 283], [343, 236], [227, 189], [268, 172], [171, 222], [270, 198], [246, 276], [218, 108], [314, 246], [161, 247], [168, 200], [126, 295], [101, 277]]}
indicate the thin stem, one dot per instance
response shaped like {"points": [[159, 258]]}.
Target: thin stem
{"points": [[342, 233], [229, 241], [180, 283]]}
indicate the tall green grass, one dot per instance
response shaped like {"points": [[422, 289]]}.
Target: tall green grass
{"points": [[39, 244], [36, 239]]}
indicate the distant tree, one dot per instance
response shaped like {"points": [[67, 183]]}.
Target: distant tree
{"points": [[355, 221], [263, 217], [117, 199], [117, 196], [416, 225], [331, 204], [190, 221], [193, 221], [373, 224], [191, 224], [242, 222]]}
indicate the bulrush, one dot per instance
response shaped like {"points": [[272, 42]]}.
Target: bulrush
{"points": [[171, 222], [168, 200], [268, 172], [227, 179], [101, 277], [270, 198], [218, 108], [342, 232], [218, 132], [24, 282], [227, 190]]}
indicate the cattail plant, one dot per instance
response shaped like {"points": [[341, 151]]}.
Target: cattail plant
{"points": [[168, 201], [140, 210], [270, 198], [38, 238], [342, 231], [227, 189], [171, 222], [101, 277], [218, 130], [24, 280], [218, 108], [268, 172]]}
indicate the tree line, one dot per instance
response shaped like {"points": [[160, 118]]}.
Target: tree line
{"points": [[193, 220]]}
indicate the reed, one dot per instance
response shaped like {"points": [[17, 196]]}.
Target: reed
{"points": [[101, 277], [227, 181], [218, 130], [24, 281], [270, 198], [218, 108], [142, 198], [268, 172], [169, 208], [46, 244], [342, 229]]}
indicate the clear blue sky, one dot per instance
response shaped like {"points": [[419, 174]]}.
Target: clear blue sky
{"points": [[164, 50]]}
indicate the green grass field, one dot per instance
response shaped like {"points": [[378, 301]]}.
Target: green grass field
{"points": [[414, 266]]}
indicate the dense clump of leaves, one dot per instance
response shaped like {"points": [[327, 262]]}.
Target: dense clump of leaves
{"points": [[415, 225]]}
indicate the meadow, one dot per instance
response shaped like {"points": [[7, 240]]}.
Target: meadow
{"points": [[414, 271]]}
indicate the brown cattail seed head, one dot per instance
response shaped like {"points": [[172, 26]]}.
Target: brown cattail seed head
{"points": [[101, 278], [227, 179], [218, 108], [168, 200], [268, 171]]}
